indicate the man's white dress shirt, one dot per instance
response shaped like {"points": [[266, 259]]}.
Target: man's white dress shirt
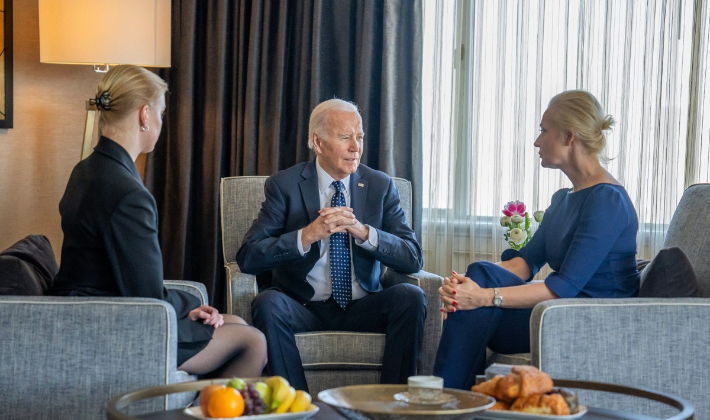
{"points": [[319, 276]]}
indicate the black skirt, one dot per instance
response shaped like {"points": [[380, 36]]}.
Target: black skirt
{"points": [[193, 336]]}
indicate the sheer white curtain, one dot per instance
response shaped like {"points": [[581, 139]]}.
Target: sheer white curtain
{"points": [[491, 67]]}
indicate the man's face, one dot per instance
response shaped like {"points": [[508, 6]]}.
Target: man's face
{"points": [[339, 151]]}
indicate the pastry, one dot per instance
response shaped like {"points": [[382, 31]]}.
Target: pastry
{"points": [[500, 405], [527, 389], [488, 387], [542, 404], [523, 381]]}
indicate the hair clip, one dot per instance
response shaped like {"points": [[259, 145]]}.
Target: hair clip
{"points": [[102, 101]]}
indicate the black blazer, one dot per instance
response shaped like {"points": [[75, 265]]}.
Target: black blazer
{"points": [[110, 248], [292, 202]]}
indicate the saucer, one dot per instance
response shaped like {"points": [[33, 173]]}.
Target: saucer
{"points": [[442, 399]]}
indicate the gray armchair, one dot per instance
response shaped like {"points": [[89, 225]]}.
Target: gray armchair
{"points": [[330, 358], [661, 344], [66, 357]]}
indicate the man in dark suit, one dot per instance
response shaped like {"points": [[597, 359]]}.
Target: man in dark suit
{"points": [[323, 230]]}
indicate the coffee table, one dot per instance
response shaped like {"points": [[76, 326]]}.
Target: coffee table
{"points": [[686, 410]]}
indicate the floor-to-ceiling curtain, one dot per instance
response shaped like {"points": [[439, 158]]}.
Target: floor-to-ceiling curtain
{"points": [[245, 76], [494, 67]]}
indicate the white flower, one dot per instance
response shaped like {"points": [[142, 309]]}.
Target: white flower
{"points": [[538, 215], [516, 218], [504, 221], [518, 236]]}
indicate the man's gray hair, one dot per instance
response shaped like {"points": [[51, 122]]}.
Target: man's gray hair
{"points": [[318, 123]]}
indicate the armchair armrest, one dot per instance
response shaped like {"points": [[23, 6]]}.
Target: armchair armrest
{"points": [[192, 287], [659, 344], [430, 284], [86, 347], [241, 290]]}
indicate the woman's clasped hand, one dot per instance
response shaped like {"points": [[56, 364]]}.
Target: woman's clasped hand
{"points": [[208, 315], [461, 293]]}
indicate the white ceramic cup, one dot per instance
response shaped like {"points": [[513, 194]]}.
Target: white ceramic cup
{"points": [[425, 388]]}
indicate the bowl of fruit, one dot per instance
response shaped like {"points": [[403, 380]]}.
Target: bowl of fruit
{"points": [[268, 398]]}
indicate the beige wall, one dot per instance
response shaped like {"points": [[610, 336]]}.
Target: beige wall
{"points": [[38, 154]]}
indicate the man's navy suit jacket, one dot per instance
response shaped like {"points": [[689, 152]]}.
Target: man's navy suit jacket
{"points": [[292, 202]]}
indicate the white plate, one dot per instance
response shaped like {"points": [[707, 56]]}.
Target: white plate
{"points": [[313, 409], [517, 415], [443, 399]]}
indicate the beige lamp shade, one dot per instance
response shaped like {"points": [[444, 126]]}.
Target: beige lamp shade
{"points": [[104, 32]]}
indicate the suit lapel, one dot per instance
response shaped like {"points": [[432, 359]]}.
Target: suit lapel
{"points": [[358, 195], [309, 190]]}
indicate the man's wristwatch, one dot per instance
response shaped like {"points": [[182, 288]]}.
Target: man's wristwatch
{"points": [[497, 298]]}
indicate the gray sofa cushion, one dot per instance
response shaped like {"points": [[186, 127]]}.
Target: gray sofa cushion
{"points": [[669, 275], [28, 267]]}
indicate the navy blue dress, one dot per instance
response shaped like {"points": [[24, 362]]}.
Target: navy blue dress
{"points": [[587, 237]]}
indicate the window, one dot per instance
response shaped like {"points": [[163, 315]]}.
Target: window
{"points": [[492, 66]]}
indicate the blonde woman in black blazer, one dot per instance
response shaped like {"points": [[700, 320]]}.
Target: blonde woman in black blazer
{"points": [[110, 224]]}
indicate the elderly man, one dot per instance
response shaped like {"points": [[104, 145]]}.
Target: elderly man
{"points": [[323, 230]]}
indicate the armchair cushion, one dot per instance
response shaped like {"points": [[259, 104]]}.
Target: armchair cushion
{"points": [[669, 275], [28, 267], [324, 350]]}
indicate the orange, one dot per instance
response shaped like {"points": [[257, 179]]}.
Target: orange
{"points": [[205, 395], [225, 402]]}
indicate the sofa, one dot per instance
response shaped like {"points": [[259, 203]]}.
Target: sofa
{"points": [[657, 343], [66, 357]]}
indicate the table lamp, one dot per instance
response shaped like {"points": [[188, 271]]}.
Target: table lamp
{"points": [[104, 33]]}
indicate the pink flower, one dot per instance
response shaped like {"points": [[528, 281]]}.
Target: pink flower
{"points": [[514, 207]]}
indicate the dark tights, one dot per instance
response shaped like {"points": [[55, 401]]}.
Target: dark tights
{"points": [[236, 349]]}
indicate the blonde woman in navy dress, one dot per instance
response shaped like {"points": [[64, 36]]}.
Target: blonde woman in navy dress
{"points": [[588, 237]]}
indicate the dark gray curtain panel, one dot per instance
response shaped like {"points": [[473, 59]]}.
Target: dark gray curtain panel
{"points": [[245, 76]]}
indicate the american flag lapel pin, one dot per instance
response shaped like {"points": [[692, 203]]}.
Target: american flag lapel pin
{"points": [[360, 184]]}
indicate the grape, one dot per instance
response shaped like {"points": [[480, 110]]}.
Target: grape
{"points": [[253, 404]]}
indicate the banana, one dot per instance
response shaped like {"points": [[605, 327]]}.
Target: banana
{"points": [[301, 402], [287, 402], [279, 391]]}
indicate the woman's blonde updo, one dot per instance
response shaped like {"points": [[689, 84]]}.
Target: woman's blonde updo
{"points": [[579, 112], [124, 89]]}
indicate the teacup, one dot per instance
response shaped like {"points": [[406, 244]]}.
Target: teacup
{"points": [[425, 389]]}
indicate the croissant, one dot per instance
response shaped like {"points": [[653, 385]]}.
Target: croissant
{"points": [[489, 387], [523, 381], [500, 405], [542, 404]]}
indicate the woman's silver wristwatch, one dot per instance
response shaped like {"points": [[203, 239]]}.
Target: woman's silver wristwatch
{"points": [[497, 298]]}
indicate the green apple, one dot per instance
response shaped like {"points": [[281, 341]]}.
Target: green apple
{"points": [[264, 392], [238, 384]]}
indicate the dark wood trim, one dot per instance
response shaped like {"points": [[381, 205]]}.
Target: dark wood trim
{"points": [[7, 122]]}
